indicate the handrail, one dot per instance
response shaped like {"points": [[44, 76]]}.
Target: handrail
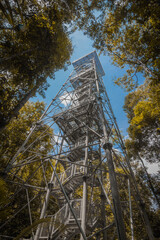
{"points": [[61, 217], [69, 173]]}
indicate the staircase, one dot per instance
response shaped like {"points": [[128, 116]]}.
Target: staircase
{"points": [[62, 224], [71, 178], [82, 110]]}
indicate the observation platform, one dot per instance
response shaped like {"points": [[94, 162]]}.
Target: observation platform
{"points": [[88, 58], [83, 108]]}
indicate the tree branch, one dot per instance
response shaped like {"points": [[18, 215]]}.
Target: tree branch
{"points": [[18, 54]]}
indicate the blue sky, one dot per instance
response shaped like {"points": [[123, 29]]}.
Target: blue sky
{"points": [[82, 46]]}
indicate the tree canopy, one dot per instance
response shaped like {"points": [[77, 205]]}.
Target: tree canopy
{"points": [[130, 33], [34, 44], [143, 111]]}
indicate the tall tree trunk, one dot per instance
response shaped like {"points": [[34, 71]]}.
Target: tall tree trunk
{"points": [[17, 108], [149, 181]]}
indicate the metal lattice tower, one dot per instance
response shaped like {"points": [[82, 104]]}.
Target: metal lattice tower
{"points": [[87, 141]]}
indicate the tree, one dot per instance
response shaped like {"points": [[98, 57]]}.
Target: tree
{"points": [[152, 211], [34, 44], [130, 33], [13, 182], [147, 196], [143, 111], [31, 54], [11, 141]]}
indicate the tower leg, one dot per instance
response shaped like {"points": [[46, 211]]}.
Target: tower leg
{"points": [[45, 204], [84, 200], [112, 176], [130, 209], [103, 211], [115, 196]]}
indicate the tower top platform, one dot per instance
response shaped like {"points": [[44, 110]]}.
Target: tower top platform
{"points": [[87, 58]]}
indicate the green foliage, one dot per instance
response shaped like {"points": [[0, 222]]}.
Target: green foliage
{"points": [[11, 141], [32, 54], [130, 33], [143, 110], [35, 43], [11, 183], [28, 230], [4, 193]]}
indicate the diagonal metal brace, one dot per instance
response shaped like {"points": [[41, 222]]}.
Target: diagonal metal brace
{"points": [[67, 199]]}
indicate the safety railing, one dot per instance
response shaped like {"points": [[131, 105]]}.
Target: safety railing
{"points": [[61, 218], [73, 170]]}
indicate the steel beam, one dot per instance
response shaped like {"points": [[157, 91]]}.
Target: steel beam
{"points": [[84, 199], [46, 201]]}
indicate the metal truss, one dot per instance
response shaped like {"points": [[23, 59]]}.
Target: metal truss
{"points": [[89, 148]]}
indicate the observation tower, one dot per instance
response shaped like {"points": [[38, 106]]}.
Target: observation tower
{"points": [[95, 169]]}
